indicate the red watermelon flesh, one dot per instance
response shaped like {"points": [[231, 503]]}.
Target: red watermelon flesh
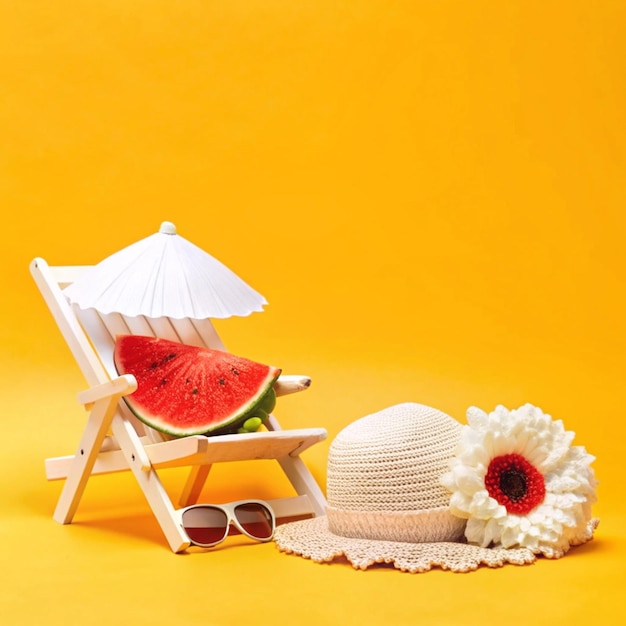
{"points": [[189, 390]]}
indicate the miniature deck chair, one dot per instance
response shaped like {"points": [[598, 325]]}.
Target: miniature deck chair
{"points": [[114, 440]]}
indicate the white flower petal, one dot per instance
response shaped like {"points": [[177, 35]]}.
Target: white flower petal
{"points": [[476, 417], [475, 532], [468, 481], [460, 504], [491, 532]]}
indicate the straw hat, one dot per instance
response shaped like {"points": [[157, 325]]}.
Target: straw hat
{"points": [[386, 502]]}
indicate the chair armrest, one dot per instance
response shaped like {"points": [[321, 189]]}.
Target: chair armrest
{"points": [[121, 386], [286, 384]]}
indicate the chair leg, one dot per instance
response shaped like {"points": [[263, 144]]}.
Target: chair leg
{"points": [[303, 482], [151, 485], [194, 485], [95, 431]]}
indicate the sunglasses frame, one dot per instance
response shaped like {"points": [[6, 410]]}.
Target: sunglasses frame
{"points": [[231, 520]]}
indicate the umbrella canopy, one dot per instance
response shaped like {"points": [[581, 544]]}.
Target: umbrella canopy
{"points": [[164, 275]]}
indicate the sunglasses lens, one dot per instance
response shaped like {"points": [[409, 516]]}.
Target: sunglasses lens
{"points": [[255, 519], [205, 525]]}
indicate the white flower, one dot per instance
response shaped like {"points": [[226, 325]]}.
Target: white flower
{"points": [[519, 482]]}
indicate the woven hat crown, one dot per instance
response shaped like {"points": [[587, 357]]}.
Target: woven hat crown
{"points": [[383, 476]]}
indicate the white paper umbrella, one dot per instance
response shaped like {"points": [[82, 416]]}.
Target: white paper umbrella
{"points": [[164, 275]]}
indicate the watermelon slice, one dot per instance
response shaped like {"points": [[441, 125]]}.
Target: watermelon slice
{"points": [[188, 390]]}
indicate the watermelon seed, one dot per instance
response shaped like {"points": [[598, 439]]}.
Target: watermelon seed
{"points": [[235, 371], [194, 391], [222, 381]]}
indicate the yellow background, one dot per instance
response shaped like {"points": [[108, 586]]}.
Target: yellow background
{"points": [[429, 194]]}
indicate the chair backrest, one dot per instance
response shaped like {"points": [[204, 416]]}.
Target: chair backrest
{"points": [[102, 329], [91, 335]]}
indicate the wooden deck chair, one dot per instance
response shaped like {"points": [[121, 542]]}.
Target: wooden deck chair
{"points": [[114, 440]]}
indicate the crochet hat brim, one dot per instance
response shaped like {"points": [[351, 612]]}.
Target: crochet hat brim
{"points": [[312, 539]]}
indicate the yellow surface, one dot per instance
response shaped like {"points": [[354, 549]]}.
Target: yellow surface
{"points": [[430, 195]]}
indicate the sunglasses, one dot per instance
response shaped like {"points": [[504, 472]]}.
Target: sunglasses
{"points": [[207, 525]]}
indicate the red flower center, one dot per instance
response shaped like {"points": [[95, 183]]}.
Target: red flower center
{"points": [[515, 483]]}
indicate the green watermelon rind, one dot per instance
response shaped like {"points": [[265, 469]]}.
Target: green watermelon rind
{"points": [[254, 410], [223, 426]]}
